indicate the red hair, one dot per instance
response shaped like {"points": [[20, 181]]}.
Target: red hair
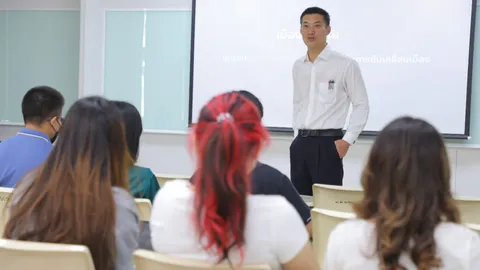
{"points": [[228, 136]]}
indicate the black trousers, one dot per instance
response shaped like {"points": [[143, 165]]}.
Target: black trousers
{"points": [[315, 160]]}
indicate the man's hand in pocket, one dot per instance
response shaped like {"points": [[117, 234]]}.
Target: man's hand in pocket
{"points": [[342, 147]]}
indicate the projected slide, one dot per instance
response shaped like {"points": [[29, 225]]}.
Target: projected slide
{"points": [[414, 55]]}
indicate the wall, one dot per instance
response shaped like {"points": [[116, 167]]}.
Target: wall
{"points": [[166, 153]]}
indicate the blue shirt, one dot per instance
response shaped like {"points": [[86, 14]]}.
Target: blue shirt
{"points": [[22, 153]]}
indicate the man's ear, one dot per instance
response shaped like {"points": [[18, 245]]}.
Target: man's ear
{"points": [[59, 120], [329, 29], [53, 120]]}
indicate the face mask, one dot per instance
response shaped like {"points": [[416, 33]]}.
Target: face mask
{"points": [[54, 138]]}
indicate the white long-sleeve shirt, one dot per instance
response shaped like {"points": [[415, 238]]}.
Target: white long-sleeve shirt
{"points": [[324, 90]]}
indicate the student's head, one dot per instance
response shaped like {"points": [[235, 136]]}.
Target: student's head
{"points": [[42, 109], [315, 27], [69, 198], [228, 137], [407, 191], [254, 99], [133, 126]]}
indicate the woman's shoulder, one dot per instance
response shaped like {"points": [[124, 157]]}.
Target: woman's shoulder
{"points": [[455, 232], [174, 190], [444, 232], [352, 225], [273, 206], [123, 199], [121, 193], [352, 231]]}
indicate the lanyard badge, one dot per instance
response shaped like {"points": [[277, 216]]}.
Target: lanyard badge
{"points": [[331, 85]]}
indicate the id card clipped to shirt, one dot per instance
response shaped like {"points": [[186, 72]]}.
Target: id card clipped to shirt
{"points": [[331, 85]]}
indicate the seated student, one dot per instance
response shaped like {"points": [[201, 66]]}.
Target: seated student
{"points": [[408, 218], [42, 109], [80, 194], [143, 183], [270, 181], [217, 220]]}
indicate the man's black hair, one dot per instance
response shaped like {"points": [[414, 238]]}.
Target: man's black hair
{"points": [[316, 10], [254, 99], [41, 103]]}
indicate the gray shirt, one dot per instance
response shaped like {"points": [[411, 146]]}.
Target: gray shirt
{"points": [[127, 229]]}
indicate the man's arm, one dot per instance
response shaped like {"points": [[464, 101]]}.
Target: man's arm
{"points": [[296, 101], [356, 90], [290, 193]]}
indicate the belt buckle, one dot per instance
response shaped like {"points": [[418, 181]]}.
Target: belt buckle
{"points": [[304, 133]]}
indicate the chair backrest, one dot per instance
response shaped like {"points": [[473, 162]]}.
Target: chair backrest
{"points": [[149, 260], [5, 194], [469, 209], [473, 227], [162, 178], [323, 222], [21, 255], [144, 207], [308, 200], [335, 197]]}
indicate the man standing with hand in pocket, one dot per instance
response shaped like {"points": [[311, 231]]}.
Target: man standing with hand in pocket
{"points": [[325, 84]]}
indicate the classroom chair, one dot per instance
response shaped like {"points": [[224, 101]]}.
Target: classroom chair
{"points": [[163, 178], [473, 227], [323, 222], [144, 207], [22, 255], [150, 260], [5, 194], [469, 209], [335, 197], [308, 200]]}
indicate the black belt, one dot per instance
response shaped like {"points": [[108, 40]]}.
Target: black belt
{"points": [[319, 132]]}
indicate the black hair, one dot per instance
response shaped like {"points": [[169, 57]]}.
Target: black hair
{"points": [[316, 10], [41, 103], [254, 99], [133, 126]]}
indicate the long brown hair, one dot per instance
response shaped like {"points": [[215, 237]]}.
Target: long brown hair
{"points": [[406, 185], [69, 198], [228, 137]]}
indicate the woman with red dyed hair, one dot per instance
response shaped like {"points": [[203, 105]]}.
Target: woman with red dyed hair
{"points": [[218, 220]]}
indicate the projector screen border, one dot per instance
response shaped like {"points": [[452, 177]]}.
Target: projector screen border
{"points": [[471, 46], [192, 61], [282, 130], [289, 131]]}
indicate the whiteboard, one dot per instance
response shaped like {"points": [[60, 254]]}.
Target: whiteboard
{"points": [[414, 55]]}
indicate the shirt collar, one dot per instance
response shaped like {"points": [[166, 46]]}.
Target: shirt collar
{"points": [[325, 54], [34, 132]]}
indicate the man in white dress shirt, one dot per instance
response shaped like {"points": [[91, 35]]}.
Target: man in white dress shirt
{"points": [[325, 84]]}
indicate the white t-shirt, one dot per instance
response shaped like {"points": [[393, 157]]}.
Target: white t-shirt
{"points": [[352, 243], [274, 231]]}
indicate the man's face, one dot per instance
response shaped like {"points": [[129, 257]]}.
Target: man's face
{"points": [[314, 30]]}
